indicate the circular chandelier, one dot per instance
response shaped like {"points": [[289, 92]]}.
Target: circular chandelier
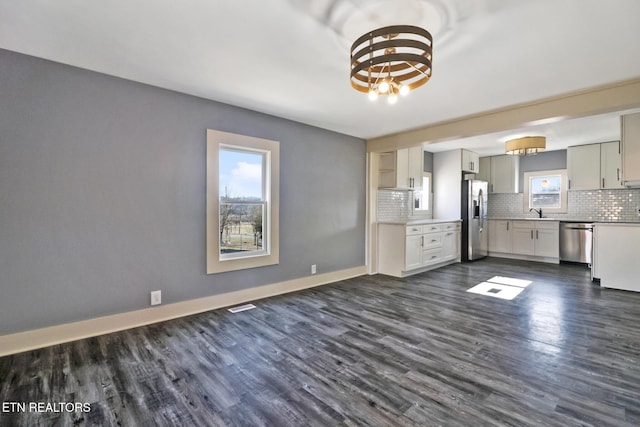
{"points": [[391, 61]]}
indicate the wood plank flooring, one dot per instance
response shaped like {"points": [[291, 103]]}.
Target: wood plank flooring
{"points": [[370, 351]]}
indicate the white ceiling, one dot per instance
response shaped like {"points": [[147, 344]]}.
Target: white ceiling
{"points": [[290, 58]]}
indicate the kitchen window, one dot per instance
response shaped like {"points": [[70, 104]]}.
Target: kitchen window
{"points": [[546, 190], [242, 202], [422, 197]]}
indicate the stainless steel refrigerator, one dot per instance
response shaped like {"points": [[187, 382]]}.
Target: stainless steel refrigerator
{"points": [[474, 219]]}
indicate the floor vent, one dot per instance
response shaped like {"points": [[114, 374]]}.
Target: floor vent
{"points": [[240, 308]]}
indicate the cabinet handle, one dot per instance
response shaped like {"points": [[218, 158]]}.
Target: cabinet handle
{"points": [[449, 234], [602, 182], [507, 225], [536, 234], [569, 184], [422, 241], [532, 234], [618, 174]]}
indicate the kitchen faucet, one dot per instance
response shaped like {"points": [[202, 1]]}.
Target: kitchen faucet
{"points": [[539, 211]]}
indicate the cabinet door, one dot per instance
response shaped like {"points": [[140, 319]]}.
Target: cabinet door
{"points": [[470, 161], [451, 245], [484, 173], [500, 236], [504, 174], [402, 168], [610, 165], [413, 254], [631, 147], [583, 167], [522, 238], [547, 242], [409, 167]]}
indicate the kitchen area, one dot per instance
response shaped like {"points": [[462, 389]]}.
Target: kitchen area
{"points": [[579, 205]]}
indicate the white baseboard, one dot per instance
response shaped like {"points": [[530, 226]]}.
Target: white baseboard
{"points": [[548, 260], [44, 337]]}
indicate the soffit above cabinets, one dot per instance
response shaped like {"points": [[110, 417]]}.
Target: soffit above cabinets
{"points": [[560, 135]]}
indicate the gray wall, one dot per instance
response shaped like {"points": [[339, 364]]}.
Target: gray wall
{"points": [[547, 160], [102, 195], [427, 164]]}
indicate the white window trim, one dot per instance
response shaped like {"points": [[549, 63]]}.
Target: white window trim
{"points": [[270, 256], [427, 210], [563, 190]]}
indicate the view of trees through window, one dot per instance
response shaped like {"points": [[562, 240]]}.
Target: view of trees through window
{"points": [[242, 202]]}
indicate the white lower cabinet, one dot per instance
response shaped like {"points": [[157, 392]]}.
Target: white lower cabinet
{"points": [[451, 244], [615, 260], [525, 239], [410, 249], [499, 235]]}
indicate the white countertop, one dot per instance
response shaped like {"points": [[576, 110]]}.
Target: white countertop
{"points": [[590, 221], [417, 221]]}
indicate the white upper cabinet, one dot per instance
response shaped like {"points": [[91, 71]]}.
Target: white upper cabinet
{"points": [[401, 169], [501, 172], [594, 166], [504, 174], [631, 149], [583, 167], [484, 173], [611, 165], [470, 162]]}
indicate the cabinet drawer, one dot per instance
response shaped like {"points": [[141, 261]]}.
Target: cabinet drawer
{"points": [[450, 226], [433, 240], [413, 229], [547, 225], [523, 224], [432, 228], [431, 256]]}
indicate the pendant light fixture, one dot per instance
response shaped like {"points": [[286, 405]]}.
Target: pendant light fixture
{"points": [[391, 61], [526, 145]]}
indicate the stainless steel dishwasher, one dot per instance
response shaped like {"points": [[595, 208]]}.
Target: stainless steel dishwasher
{"points": [[576, 242]]}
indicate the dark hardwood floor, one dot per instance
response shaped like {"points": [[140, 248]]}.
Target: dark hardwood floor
{"points": [[370, 351]]}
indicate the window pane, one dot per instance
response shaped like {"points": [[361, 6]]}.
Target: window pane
{"points": [[241, 226], [241, 175], [545, 184], [242, 202], [545, 191]]}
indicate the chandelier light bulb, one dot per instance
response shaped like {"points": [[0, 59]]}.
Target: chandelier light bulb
{"points": [[384, 87], [373, 95], [393, 98], [404, 90]]}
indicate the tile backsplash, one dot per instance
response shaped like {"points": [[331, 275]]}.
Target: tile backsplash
{"points": [[393, 204], [592, 205]]}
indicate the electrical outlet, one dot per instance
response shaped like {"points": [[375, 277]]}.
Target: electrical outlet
{"points": [[156, 297], [313, 269]]}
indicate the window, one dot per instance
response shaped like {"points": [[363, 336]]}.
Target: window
{"points": [[422, 197], [242, 202], [546, 190]]}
